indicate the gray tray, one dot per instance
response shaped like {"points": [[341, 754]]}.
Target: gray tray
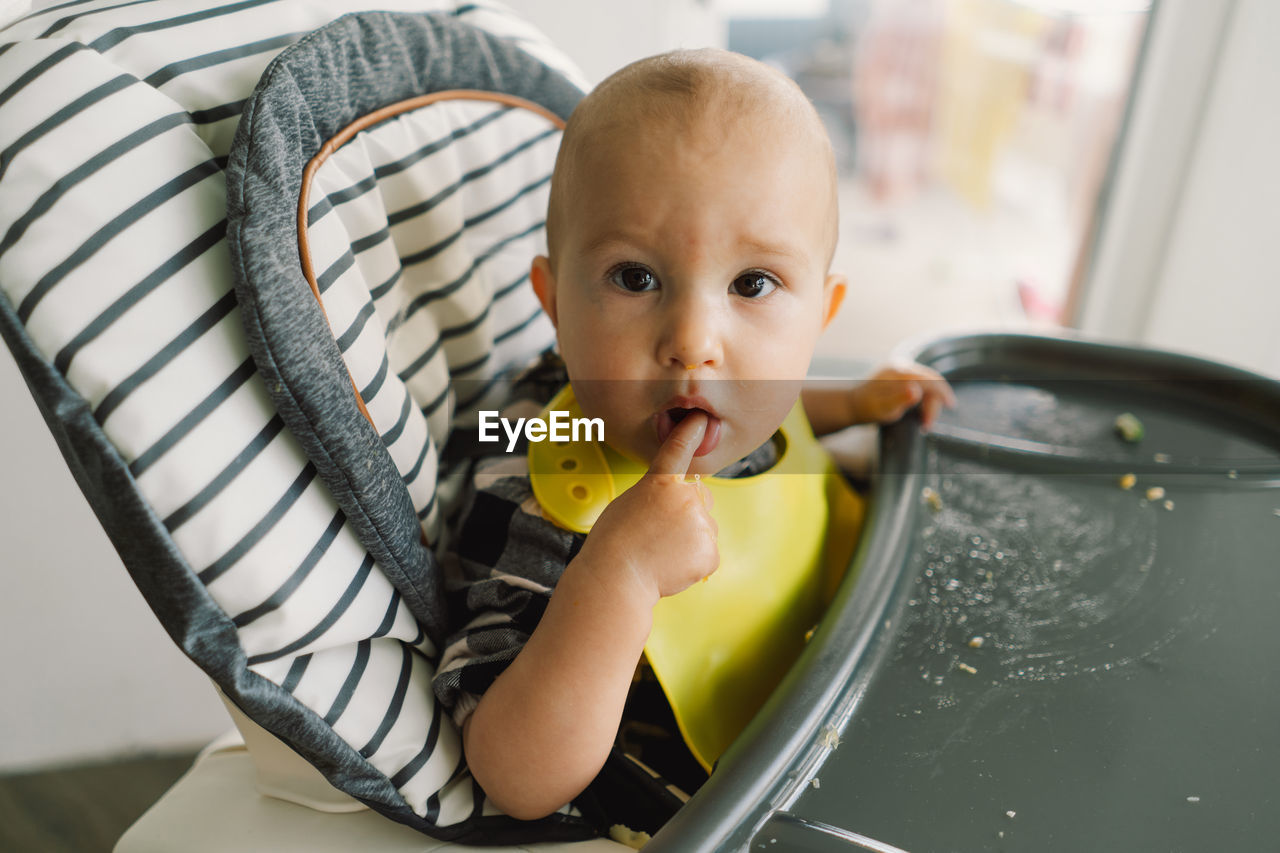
{"points": [[1125, 694]]}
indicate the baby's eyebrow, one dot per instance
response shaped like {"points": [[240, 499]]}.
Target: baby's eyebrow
{"points": [[752, 245], [761, 247], [605, 241]]}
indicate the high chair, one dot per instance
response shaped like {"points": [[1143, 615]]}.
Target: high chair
{"points": [[257, 260]]}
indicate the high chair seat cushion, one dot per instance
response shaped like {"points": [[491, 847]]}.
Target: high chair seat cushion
{"points": [[294, 578], [423, 181]]}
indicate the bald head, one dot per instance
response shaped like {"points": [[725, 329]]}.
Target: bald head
{"points": [[700, 100]]}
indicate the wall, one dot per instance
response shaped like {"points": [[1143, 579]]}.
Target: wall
{"points": [[88, 671], [601, 36], [1219, 288], [1185, 251]]}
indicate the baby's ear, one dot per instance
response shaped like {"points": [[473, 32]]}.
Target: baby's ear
{"points": [[544, 285], [832, 297]]}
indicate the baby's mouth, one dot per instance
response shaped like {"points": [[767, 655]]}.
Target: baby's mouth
{"points": [[667, 419]]}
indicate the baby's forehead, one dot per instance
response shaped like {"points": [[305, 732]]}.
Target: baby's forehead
{"points": [[675, 110], [674, 132], [702, 95]]}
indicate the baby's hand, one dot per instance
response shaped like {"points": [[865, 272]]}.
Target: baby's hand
{"points": [[892, 391], [660, 531]]}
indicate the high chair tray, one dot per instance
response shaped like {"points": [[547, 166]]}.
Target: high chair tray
{"points": [[1031, 656]]}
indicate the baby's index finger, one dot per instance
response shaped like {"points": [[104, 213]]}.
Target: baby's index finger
{"points": [[676, 453]]}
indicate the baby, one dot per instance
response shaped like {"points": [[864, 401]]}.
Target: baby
{"points": [[691, 225]]}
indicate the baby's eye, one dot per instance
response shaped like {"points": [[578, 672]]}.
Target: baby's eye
{"points": [[635, 279], [753, 285]]}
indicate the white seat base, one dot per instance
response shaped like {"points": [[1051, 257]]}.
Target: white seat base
{"points": [[215, 807]]}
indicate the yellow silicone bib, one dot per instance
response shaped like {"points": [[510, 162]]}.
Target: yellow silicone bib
{"points": [[720, 647]]}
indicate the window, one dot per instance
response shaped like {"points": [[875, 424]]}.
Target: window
{"points": [[972, 138]]}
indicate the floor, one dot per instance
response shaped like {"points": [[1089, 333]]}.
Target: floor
{"points": [[82, 809]]}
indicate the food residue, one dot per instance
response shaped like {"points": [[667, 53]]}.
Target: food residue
{"points": [[1168, 505], [1155, 493], [976, 642], [627, 836], [1128, 481], [1129, 427], [932, 498], [964, 667]]}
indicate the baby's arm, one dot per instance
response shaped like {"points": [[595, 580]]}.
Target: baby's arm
{"points": [[543, 730], [884, 398]]}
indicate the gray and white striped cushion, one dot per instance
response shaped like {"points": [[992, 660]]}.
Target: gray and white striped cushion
{"points": [[116, 121], [421, 231]]}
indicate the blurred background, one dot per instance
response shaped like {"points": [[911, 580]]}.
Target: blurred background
{"points": [[1092, 165], [1105, 166], [972, 138]]}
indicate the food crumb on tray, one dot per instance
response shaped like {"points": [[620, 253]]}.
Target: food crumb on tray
{"points": [[1155, 493], [1127, 482], [628, 836], [1129, 427], [932, 498]]}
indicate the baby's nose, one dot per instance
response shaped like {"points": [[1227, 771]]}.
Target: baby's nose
{"points": [[694, 340]]}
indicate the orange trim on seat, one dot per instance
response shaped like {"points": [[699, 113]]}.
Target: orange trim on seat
{"points": [[366, 121]]}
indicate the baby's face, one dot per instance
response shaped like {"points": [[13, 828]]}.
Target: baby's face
{"points": [[691, 272]]}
